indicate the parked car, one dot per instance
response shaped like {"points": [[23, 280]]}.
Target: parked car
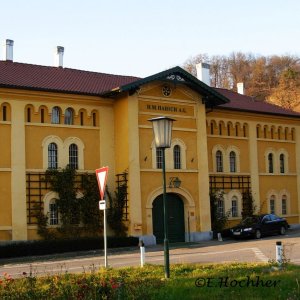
{"points": [[260, 225]]}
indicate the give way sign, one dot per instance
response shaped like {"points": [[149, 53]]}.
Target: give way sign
{"points": [[101, 178]]}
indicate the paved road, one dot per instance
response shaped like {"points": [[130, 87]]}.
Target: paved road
{"points": [[205, 252]]}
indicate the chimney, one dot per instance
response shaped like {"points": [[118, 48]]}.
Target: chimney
{"points": [[240, 88], [203, 72], [58, 58], [8, 50]]}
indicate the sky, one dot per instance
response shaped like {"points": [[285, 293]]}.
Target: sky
{"points": [[143, 37]]}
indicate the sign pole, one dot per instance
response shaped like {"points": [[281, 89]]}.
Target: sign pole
{"points": [[105, 238], [101, 178]]}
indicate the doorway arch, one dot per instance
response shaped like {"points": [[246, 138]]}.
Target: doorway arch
{"points": [[175, 218]]}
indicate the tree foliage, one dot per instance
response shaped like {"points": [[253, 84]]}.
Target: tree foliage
{"points": [[248, 207], [273, 78], [78, 206], [218, 219]]}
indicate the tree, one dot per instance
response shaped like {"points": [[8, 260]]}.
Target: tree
{"points": [[218, 218], [264, 77], [248, 208], [287, 93]]}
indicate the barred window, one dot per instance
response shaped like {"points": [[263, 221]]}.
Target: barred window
{"points": [[55, 117], [177, 157], [73, 156], [232, 161], [69, 116], [52, 156], [219, 161], [159, 158]]}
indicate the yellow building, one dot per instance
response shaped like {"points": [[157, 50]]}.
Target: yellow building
{"points": [[221, 140]]}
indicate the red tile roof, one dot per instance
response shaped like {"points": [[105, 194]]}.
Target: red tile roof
{"points": [[57, 79], [246, 103]]}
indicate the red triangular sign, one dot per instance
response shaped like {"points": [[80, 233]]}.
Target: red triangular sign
{"points": [[101, 178]]}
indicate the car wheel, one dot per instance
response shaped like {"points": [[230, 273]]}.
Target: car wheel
{"points": [[282, 230], [257, 234]]}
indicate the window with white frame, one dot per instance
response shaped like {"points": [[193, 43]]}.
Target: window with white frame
{"points": [[53, 213], [284, 205], [177, 157], [220, 208], [272, 204], [234, 206], [159, 158], [55, 117], [73, 156], [52, 156], [219, 161], [282, 164], [232, 161], [270, 163], [69, 115]]}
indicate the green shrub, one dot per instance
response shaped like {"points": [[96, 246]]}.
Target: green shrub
{"points": [[43, 247]]}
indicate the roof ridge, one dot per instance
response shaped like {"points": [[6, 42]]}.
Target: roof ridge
{"points": [[259, 101], [65, 68]]}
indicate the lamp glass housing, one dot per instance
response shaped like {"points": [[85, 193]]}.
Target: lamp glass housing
{"points": [[162, 129]]}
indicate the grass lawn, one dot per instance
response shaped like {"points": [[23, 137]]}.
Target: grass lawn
{"points": [[193, 281]]}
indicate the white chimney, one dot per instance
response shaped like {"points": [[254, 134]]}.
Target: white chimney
{"points": [[59, 55], [240, 88], [8, 50], [203, 72]]}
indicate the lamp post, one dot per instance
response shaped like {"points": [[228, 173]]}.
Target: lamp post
{"points": [[162, 129]]}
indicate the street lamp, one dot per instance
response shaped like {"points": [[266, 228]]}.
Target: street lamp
{"points": [[162, 129]]}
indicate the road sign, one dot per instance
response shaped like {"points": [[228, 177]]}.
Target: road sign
{"points": [[102, 204], [101, 178]]}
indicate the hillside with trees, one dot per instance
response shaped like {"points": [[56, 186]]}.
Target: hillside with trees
{"points": [[275, 78]]}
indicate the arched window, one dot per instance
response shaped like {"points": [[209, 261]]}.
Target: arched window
{"points": [[211, 128], [159, 158], [55, 117], [257, 132], [265, 132], [232, 161], [177, 157], [228, 129], [28, 114], [52, 156], [234, 206], [73, 156], [69, 116], [272, 133], [272, 204], [53, 213], [236, 130], [286, 131], [245, 131], [220, 128], [281, 161], [4, 110], [94, 119], [284, 205], [219, 161], [270, 163], [220, 208]]}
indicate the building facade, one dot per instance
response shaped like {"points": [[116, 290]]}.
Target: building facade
{"points": [[51, 117]]}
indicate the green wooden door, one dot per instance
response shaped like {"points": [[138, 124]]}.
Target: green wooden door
{"points": [[175, 219]]}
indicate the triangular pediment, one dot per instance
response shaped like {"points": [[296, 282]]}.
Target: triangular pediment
{"points": [[178, 76]]}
